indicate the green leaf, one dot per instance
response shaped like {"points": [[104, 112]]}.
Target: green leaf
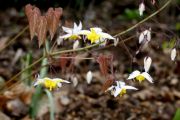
{"points": [[177, 115], [25, 63]]}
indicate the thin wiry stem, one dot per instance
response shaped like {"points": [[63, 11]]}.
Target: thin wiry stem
{"points": [[142, 21], [14, 38]]}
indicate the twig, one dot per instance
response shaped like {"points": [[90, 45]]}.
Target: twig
{"points": [[14, 38]]}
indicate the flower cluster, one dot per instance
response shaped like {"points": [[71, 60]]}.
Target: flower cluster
{"points": [[141, 76], [121, 87], [94, 35], [49, 83]]}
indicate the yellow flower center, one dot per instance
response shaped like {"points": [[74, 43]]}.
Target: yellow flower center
{"points": [[123, 91], [50, 84], [74, 37], [93, 36], [140, 78]]}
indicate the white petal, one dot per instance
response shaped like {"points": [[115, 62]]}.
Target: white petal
{"points": [[65, 81], [59, 84], [89, 77], [65, 36], [79, 26], [106, 35], [145, 35], [74, 81], [141, 9], [75, 26], [110, 88], [76, 45], [134, 74], [67, 30], [147, 63], [147, 76], [121, 84], [38, 81], [60, 80], [84, 32], [141, 38], [96, 29], [117, 91], [130, 87], [173, 54], [116, 41], [59, 40], [148, 34]]}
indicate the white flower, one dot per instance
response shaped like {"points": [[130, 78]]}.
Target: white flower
{"points": [[141, 9], [145, 35], [95, 35], [147, 63], [89, 77], [74, 81], [140, 76], [120, 88], [72, 33], [116, 41], [173, 54], [76, 45], [50, 83]]}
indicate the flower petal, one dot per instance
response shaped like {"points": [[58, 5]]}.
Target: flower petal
{"points": [[75, 26], [130, 87], [65, 81], [110, 88], [79, 26], [76, 45], [59, 84], [38, 81], [147, 63], [141, 9], [106, 35], [65, 36], [60, 80], [141, 38], [96, 29], [89, 77], [117, 91], [147, 76], [173, 54], [67, 30], [84, 32], [120, 84], [134, 74]]}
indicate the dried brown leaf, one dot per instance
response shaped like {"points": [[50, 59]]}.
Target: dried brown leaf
{"points": [[28, 10], [53, 19], [107, 84], [103, 64], [42, 30], [33, 14]]}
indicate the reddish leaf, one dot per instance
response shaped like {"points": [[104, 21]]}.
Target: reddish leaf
{"points": [[103, 64], [53, 18], [28, 10], [33, 14], [107, 84], [42, 30]]}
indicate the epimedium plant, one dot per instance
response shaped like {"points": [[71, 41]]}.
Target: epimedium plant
{"points": [[40, 25]]}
